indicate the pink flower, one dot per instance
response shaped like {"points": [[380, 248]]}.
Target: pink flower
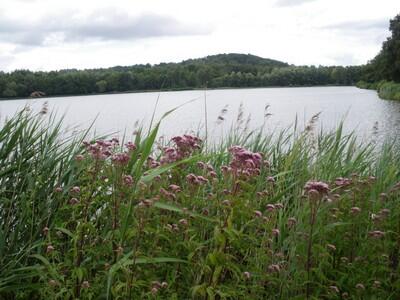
{"points": [[130, 146], [245, 162], [319, 186], [120, 158], [275, 232], [270, 207], [355, 210], [127, 180], [258, 213], [343, 182], [175, 188], [73, 201], [75, 190]]}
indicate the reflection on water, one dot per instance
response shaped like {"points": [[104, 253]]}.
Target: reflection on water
{"points": [[362, 110]]}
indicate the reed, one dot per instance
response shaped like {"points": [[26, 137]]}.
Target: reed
{"points": [[286, 215]]}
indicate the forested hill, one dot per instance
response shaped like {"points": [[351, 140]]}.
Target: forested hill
{"points": [[222, 70]]}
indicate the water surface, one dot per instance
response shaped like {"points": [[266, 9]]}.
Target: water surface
{"points": [[362, 110]]}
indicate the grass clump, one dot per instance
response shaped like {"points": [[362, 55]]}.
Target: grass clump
{"points": [[290, 216], [388, 90]]}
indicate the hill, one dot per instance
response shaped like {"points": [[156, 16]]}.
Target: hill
{"points": [[215, 71]]}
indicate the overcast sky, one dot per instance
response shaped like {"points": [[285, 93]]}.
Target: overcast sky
{"points": [[58, 34]]}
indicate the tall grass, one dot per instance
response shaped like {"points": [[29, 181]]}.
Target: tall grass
{"points": [[290, 215]]}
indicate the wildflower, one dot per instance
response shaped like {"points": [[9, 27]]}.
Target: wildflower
{"points": [[154, 290], [270, 179], [247, 275], [164, 285], [45, 230], [202, 180], [245, 162], [201, 165], [355, 210], [225, 170], [258, 213], [130, 146], [58, 189], [127, 180], [49, 249], [274, 268], [75, 190], [342, 182], [85, 284], [226, 203], [191, 178], [120, 158], [183, 222], [212, 174], [278, 205], [319, 186], [175, 188], [270, 207], [205, 212], [73, 201], [275, 232], [383, 196], [360, 286], [334, 289]]}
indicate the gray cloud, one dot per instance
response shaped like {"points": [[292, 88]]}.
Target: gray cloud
{"points": [[105, 25], [291, 2]]}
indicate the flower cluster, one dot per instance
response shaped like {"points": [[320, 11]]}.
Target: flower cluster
{"points": [[103, 149], [185, 145], [319, 186], [244, 162]]}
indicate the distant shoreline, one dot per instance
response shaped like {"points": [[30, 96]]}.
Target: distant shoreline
{"points": [[173, 90]]}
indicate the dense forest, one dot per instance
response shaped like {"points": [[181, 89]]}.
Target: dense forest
{"points": [[223, 70]]}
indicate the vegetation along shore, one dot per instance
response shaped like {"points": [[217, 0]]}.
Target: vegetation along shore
{"points": [[292, 215]]}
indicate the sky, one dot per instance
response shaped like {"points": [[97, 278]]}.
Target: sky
{"points": [[64, 34]]}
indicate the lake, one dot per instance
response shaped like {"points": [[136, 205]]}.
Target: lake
{"points": [[361, 110]]}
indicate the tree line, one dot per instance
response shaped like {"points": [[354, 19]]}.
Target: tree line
{"points": [[217, 71], [386, 65]]}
